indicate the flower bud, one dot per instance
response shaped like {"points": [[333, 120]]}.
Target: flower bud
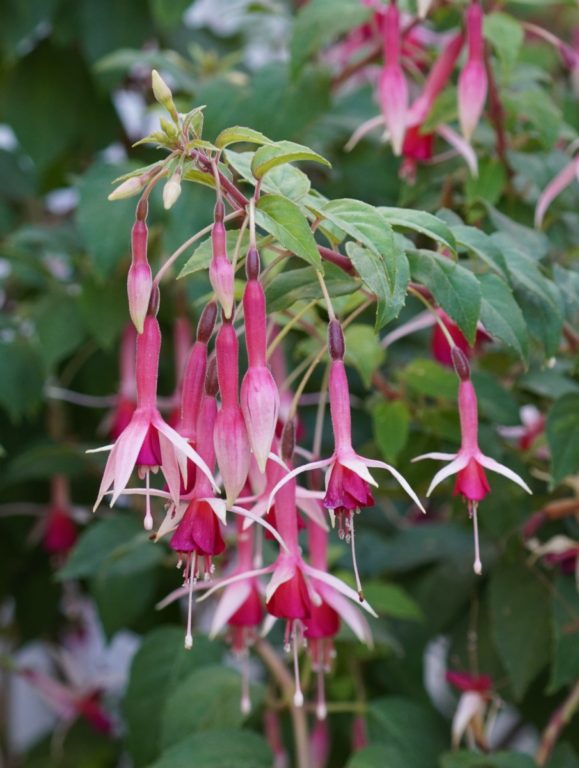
{"points": [[172, 190], [393, 89], [260, 407], [221, 273], [139, 278], [288, 440], [207, 322], [472, 83], [211, 380], [461, 364], [252, 264], [232, 451], [128, 188], [336, 344], [162, 94]]}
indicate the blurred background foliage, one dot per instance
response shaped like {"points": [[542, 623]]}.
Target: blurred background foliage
{"points": [[74, 97]]}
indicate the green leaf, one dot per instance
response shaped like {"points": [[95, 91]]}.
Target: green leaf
{"points": [[520, 621], [391, 421], [391, 600], [22, 378], [364, 351], [285, 221], [395, 722], [372, 268], [58, 327], [302, 285], [563, 436], [186, 712], [104, 310], [375, 756], [536, 107], [488, 185], [318, 23], [105, 226], [567, 281], [363, 223], [455, 289], [240, 134], [108, 539], [479, 243], [421, 222], [505, 35], [218, 749], [537, 296], [285, 180], [502, 316], [280, 152], [159, 666], [532, 241], [565, 621], [476, 760], [426, 377], [201, 256]]}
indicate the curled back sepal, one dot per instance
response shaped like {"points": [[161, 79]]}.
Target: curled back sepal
{"points": [[221, 272]]}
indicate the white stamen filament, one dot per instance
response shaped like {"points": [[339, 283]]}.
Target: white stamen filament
{"points": [[189, 635], [321, 709], [298, 695], [354, 561], [245, 697], [148, 516], [477, 561]]}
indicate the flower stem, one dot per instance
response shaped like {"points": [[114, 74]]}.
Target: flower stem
{"points": [[559, 719], [431, 308]]}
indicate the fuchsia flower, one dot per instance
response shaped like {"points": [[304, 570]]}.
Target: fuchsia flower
{"points": [[393, 89], [230, 435], [348, 480], [469, 463], [472, 705], [221, 273], [472, 83], [59, 534], [440, 347], [139, 279], [259, 395], [148, 442]]}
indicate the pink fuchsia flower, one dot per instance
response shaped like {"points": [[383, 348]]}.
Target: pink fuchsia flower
{"points": [[564, 179], [230, 436], [221, 273], [139, 278], [469, 463], [440, 347], [472, 83], [320, 743], [472, 706], [259, 394], [532, 427], [148, 442], [348, 480], [392, 87], [559, 551], [59, 534]]}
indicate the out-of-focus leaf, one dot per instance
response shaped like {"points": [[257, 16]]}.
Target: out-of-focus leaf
{"points": [[373, 269], [391, 421], [302, 285], [158, 668], [489, 184], [363, 350], [455, 289], [201, 256], [218, 749], [563, 436], [505, 34], [476, 760], [429, 378], [58, 327], [520, 623], [375, 756], [391, 600], [22, 378], [278, 153], [104, 310], [422, 222], [565, 617]]}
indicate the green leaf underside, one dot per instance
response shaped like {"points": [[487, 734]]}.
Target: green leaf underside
{"points": [[271, 155], [284, 220], [239, 134], [563, 436], [502, 316], [422, 222]]}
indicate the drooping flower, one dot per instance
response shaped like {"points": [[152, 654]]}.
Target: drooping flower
{"points": [[472, 83], [148, 442], [59, 529], [554, 188], [230, 436], [348, 480], [392, 87], [472, 706], [470, 462], [139, 278], [259, 396], [440, 347]]}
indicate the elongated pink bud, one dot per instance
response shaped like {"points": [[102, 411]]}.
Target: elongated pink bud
{"points": [[472, 83], [230, 436], [221, 275], [468, 414], [393, 89], [140, 278], [437, 78], [259, 393], [340, 406], [194, 377]]}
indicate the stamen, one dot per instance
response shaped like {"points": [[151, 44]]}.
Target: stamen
{"points": [[148, 515], [321, 709], [286, 637], [189, 634], [298, 695], [477, 561], [355, 563], [245, 697]]}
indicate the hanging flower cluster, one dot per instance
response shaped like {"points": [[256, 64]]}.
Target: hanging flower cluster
{"points": [[229, 451]]}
